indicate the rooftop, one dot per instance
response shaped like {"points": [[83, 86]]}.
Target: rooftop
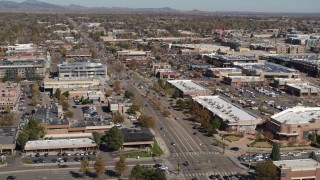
{"points": [[304, 86], [60, 144], [266, 67], [186, 85], [226, 69], [8, 84], [297, 164], [137, 134], [8, 135], [297, 115], [224, 109]]}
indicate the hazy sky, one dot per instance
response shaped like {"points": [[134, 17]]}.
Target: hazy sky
{"points": [[208, 5]]}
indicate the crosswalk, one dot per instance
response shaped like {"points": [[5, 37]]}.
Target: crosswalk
{"points": [[207, 174], [196, 153]]}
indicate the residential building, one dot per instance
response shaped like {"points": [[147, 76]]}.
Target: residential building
{"points": [[82, 69], [187, 88], [60, 145], [223, 72], [8, 137], [10, 94], [22, 49], [295, 124], [303, 90], [235, 118], [240, 81], [303, 169], [24, 69]]}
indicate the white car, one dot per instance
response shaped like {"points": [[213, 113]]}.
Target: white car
{"points": [[86, 115], [163, 168], [297, 154]]}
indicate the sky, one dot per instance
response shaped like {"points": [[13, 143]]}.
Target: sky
{"points": [[205, 5]]}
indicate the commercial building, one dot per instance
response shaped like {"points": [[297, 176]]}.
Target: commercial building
{"points": [[269, 71], [166, 74], [233, 116], [60, 145], [119, 105], [10, 94], [298, 169], [228, 61], [309, 66], [70, 54], [289, 49], [8, 137], [82, 69], [24, 69], [72, 84], [281, 83], [199, 48], [137, 55], [160, 65], [223, 72], [240, 81], [22, 49], [295, 123], [305, 90], [137, 137], [187, 88]]}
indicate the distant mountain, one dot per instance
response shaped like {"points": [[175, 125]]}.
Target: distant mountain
{"points": [[30, 5]]}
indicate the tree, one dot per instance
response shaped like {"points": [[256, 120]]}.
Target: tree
{"points": [[66, 94], [128, 94], [69, 114], [99, 166], [57, 94], [109, 93], [96, 137], [5, 79], [117, 86], [133, 109], [275, 153], [113, 138], [118, 118], [7, 120], [121, 165], [216, 124], [139, 172], [84, 167], [146, 121], [266, 170], [313, 155], [65, 105], [175, 94], [22, 140]]}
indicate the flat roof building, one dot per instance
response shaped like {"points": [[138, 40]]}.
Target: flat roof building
{"points": [[295, 123], [10, 94], [200, 48], [82, 69], [8, 137], [281, 83], [61, 145], [232, 115], [303, 90], [308, 169], [223, 72], [187, 88], [240, 81], [224, 61], [133, 54], [137, 137]]}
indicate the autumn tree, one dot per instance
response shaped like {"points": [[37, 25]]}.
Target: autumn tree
{"points": [[266, 170], [117, 86], [118, 118], [121, 165], [99, 166], [146, 121], [84, 167]]}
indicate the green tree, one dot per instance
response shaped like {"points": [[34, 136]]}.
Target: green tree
{"points": [[313, 155], [275, 153], [175, 94], [69, 114], [113, 138], [5, 79], [57, 94], [216, 124], [22, 140], [99, 166], [66, 94], [84, 167], [96, 137], [266, 171], [109, 93], [121, 165], [118, 118], [146, 121], [133, 109], [128, 94], [139, 172], [65, 105]]}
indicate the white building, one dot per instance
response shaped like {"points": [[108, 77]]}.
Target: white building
{"points": [[187, 88]]}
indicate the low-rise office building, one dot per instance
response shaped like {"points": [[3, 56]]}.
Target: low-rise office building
{"points": [[240, 81], [10, 94], [133, 54], [222, 61], [289, 49], [137, 137], [304, 90], [119, 105], [70, 54], [233, 116], [199, 48], [306, 169], [60, 145], [82, 69], [166, 74], [223, 72], [295, 123], [309, 66], [8, 137], [160, 65], [281, 83], [187, 88]]}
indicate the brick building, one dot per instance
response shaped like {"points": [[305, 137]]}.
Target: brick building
{"points": [[10, 94]]}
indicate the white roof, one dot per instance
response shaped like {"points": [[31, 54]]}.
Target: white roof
{"points": [[59, 144], [224, 109], [186, 85], [297, 115], [303, 86], [297, 164], [64, 136]]}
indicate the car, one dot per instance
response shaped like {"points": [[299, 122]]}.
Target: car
{"points": [[95, 152], [77, 154], [185, 163], [194, 133], [37, 155], [215, 144], [46, 155], [59, 154], [234, 148], [65, 159], [212, 177], [194, 127], [163, 168], [63, 166], [77, 159], [157, 165], [162, 128], [173, 143], [194, 178], [60, 160], [11, 178]]}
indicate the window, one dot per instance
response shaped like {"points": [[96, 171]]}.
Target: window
{"points": [[305, 134]]}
